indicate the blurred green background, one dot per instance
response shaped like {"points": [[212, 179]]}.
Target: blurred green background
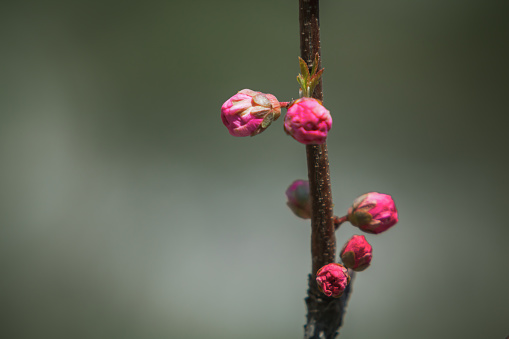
{"points": [[128, 211]]}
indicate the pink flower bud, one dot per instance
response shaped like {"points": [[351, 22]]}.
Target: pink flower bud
{"points": [[299, 200], [357, 253], [332, 279], [373, 212], [249, 113], [307, 121]]}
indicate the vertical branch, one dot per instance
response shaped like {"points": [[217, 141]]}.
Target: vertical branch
{"points": [[323, 240], [325, 314], [309, 24]]}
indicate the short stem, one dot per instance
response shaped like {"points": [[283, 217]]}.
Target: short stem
{"points": [[338, 221]]}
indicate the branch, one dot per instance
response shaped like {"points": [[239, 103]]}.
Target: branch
{"points": [[325, 314]]}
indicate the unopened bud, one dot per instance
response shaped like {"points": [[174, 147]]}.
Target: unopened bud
{"points": [[357, 253], [307, 121], [299, 200], [249, 113], [332, 279], [373, 212]]}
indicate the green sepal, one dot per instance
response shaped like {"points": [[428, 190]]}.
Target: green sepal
{"points": [[269, 118], [361, 268], [360, 218], [348, 259]]}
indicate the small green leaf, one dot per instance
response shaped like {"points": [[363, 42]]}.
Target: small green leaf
{"points": [[317, 75], [304, 70], [315, 64], [301, 81], [315, 80]]}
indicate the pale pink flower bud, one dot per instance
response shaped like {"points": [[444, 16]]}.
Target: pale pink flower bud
{"points": [[299, 200], [307, 121], [248, 113], [357, 253], [332, 279], [373, 212]]}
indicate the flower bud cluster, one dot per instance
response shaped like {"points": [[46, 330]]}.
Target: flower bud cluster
{"points": [[249, 113], [372, 213]]}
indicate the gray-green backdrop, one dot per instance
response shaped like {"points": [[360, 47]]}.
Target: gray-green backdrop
{"points": [[128, 211]]}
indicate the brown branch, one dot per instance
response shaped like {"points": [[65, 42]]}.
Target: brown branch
{"points": [[338, 221], [325, 314], [323, 240]]}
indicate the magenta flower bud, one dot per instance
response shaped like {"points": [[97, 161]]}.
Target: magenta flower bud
{"points": [[332, 279], [307, 121], [249, 113], [299, 200], [373, 212], [357, 253]]}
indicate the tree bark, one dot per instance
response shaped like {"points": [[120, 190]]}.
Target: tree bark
{"points": [[325, 314]]}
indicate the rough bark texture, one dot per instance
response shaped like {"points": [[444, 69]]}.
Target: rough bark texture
{"points": [[325, 314], [323, 240]]}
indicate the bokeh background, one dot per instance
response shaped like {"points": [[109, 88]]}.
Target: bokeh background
{"points": [[128, 211]]}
